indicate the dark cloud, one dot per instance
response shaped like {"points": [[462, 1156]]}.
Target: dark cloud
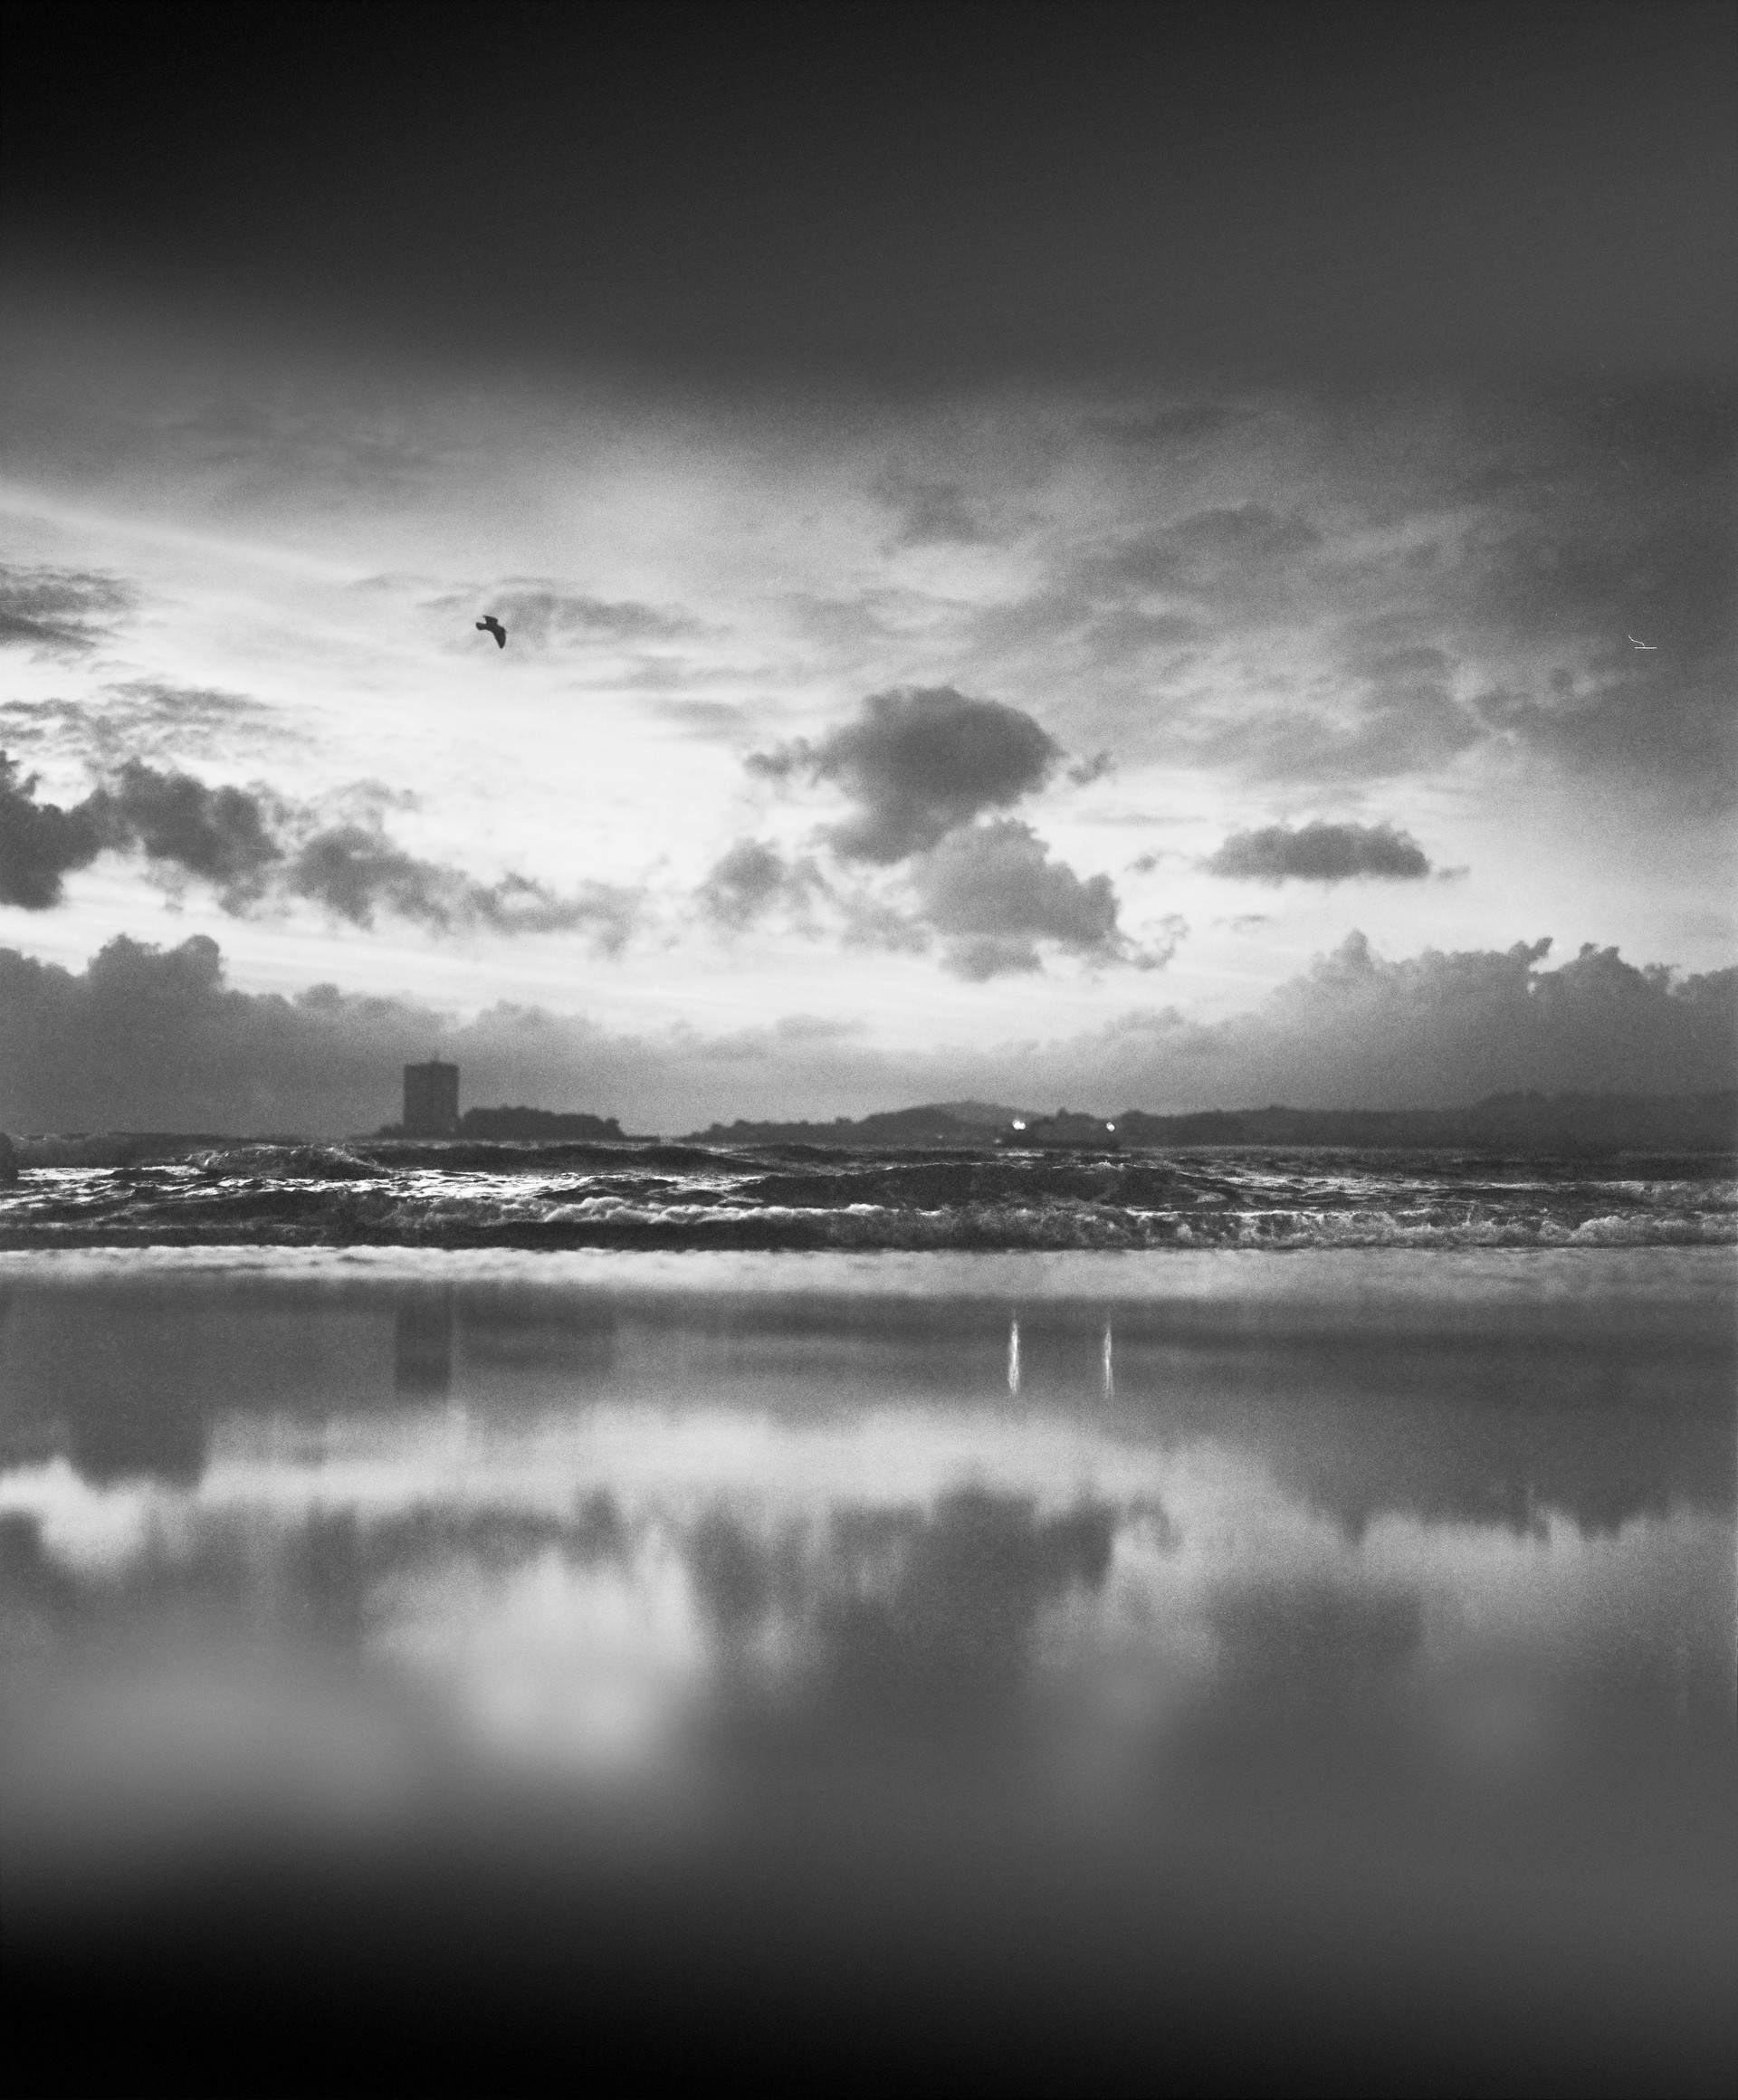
{"points": [[39, 843], [926, 1620], [355, 870], [151, 1039], [993, 891], [254, 848], [1320, 852], [60, 612], [1359, 1030], [1084, 771], [750, 879], [919, 762], [220, 835]]}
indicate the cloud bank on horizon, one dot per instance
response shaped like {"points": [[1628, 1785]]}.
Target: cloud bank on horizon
{"points": [[146, 1037]]}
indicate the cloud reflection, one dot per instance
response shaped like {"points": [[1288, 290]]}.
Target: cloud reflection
{"points": [[500, 1637]]}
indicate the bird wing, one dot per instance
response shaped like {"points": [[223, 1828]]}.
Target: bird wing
{"points": [[501, 636]]}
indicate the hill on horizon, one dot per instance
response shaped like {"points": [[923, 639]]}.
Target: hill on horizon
{"points": [[1701, 1122]]}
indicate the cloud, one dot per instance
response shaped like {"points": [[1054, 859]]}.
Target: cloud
{"points": [[1356, 1030], [254, 848], [922, 767], [355, 870], [703, 718], [1237, 559], [39, 843], [1163, 429], [1084, 771], [1349, 596], [1320, 852], [148, 718], [928, 1618], [920, 762], [146, 1038], [994, 892], [931, 513], [220, 835], [750, 879], [60, 612], [537, 614]]}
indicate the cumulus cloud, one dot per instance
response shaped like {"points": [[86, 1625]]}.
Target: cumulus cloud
{"points": [[251, 847], [1359, 1030], [993, 891], [750, 879], [924, 767], [918, 763], [1320, 852], [60, 612], [220, 835], [39, 843]]}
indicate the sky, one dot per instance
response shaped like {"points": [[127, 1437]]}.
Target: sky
{"points": [[1094, 552]]}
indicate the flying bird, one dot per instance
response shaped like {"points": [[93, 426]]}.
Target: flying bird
{"points": [[1642, 645], [491, 626]]}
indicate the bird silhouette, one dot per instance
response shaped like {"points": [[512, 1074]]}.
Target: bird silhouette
{"points": [[1641, 644], [491, 626]]}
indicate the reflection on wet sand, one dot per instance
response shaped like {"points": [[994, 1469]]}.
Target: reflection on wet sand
{"points": [[1058, 1692], [421, 1341]]}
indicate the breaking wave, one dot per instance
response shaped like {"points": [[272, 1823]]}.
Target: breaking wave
{"points": [[472, 1195]]}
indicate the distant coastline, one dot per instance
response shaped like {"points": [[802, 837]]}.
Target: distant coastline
{"points": [[1502, 1121], [1527, 1124]]}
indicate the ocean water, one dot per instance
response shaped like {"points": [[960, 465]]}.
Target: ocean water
{"points": [[1306, 1667], [475, 1195]]}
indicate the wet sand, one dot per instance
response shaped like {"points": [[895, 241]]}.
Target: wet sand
{"points": [[1309, 1672]]}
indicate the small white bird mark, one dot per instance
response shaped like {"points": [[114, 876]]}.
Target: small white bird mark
{"points": [[491, 626], [1642, 645]]}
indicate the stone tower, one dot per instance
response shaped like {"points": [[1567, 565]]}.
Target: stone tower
{"points": [[431, 1099]]}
